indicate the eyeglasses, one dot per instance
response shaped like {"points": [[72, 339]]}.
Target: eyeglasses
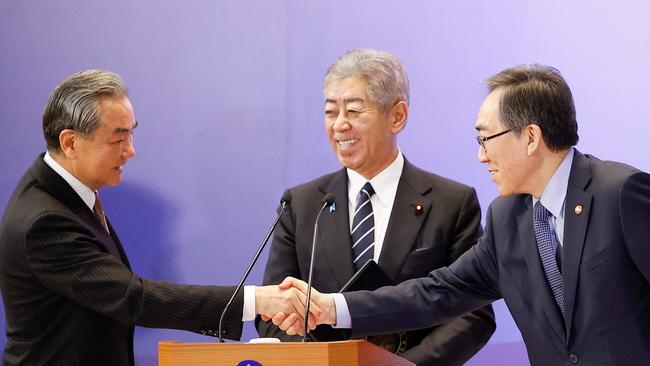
{"points": [[481, 140]]}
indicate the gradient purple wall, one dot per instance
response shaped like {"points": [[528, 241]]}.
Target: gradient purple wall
{"points": [[228, 97]]}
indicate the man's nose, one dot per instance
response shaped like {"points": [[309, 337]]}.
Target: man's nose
{"points": [[482, 155], [341, 123], [129, 149]]}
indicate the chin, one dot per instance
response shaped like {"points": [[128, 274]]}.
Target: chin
{"points": [[113, 182], [504, 191], [348, 163]]}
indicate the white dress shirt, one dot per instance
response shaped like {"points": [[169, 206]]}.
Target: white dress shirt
{"points": [[554, 196], [88, 196], [385, 186]]}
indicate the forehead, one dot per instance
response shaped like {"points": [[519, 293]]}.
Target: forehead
{"points": [[488, 114], [116, 112], [347, 88]]}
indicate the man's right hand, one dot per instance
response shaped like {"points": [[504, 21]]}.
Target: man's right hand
{"points": [[274, 299], [325, 302]]}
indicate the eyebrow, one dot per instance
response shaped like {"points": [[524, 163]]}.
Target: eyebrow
{"points": [[125, 130], [347, 100], [480, 127]]}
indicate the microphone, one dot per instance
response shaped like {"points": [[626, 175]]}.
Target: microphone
{"points": [[327, 201], [284, 202]]}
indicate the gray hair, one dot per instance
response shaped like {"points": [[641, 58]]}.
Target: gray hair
{"points": [[74, 104], [384, 73], [537, 94]]}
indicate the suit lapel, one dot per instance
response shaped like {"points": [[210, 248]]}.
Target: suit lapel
{"points": [[118, 244], [334, 229], [61, 190], [575, 228], [404, 225], [536, 270]]}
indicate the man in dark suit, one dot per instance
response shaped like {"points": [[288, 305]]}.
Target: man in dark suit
{"points": [[69, 294], [567, 245], [420, 221]]}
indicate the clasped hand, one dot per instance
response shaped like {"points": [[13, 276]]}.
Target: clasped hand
{"points": [[285, 306]]}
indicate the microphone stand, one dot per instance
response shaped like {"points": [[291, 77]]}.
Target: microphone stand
{"points": [[248, 270], [327, 200]]}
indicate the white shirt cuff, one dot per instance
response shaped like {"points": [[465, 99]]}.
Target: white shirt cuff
{"points": [[249, 304], [343, 319]]}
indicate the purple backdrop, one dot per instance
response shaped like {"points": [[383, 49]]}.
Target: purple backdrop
{"points": [[228, 97]]}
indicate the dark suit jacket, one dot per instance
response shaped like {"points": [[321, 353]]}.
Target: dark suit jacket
{"points": [[67, 300], [606, 273], [413, 246]]}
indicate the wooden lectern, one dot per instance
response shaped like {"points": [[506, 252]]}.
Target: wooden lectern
{"points": [[343, 353]]}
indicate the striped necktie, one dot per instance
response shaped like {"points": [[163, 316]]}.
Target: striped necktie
{"points": [[363, 228], [547, 247]]}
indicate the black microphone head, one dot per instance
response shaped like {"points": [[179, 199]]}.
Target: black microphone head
{"points": [[286, 198], [328, 200]]}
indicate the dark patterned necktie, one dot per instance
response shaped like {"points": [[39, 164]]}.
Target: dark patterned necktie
{"points": [[101, 217], [546, 246], [99, 212], [363, 228]]}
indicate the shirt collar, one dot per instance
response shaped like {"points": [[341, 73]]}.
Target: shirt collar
{"points": [[554, 193], [86, 194], [385, 183]]}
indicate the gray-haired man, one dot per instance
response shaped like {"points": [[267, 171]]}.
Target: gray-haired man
{"points": [[408, 220], [69, 293]]}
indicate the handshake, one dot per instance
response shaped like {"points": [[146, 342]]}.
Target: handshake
{"points": [[285, 305]]}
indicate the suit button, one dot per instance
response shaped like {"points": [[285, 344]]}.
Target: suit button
{"points": [[573, 358]]}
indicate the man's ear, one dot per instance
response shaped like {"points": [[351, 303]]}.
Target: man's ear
{"points": [[398, 116], [534, 138], [67, 142]]}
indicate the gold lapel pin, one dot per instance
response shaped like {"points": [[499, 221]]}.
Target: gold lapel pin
{"points": [[578, 209], [418, 209]]}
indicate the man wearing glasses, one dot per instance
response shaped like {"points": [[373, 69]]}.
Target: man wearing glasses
{"points": [[567, 245]]}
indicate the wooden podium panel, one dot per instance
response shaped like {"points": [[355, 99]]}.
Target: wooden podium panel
{"points": [[343, 353]]}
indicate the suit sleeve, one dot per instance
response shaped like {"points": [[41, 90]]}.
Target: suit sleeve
{"points": [[456, 341], [65, 257], [282, 262], [634, 211], [470, 283]]}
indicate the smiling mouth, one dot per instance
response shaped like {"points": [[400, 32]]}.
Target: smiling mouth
{"points": [[348, 142]]}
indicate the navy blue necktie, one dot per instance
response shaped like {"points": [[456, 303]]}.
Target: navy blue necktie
{"points": [[546, 246], [363, 228]]}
